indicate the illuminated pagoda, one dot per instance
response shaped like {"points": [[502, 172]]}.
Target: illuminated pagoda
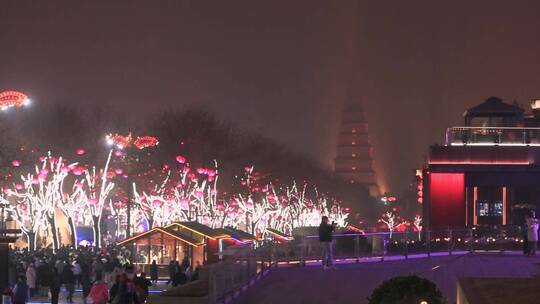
{"points": [[354, 161], [488, 171]]}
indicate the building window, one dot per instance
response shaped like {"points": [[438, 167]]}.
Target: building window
{"points": [[486, 208], [483, 208], [497, 209]]}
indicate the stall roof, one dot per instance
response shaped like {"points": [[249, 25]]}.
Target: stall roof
{"points": [[200, 229], [168, 231], [279, 234], [238, 234]]}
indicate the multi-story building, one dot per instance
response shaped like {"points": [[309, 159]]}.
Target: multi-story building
{"points": [[487, 172], [354, 161]]}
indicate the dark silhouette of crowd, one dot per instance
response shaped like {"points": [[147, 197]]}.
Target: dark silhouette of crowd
{"points": [[106, 276]]}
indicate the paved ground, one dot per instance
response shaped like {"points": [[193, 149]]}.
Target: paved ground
{"points": [[353, 283]]}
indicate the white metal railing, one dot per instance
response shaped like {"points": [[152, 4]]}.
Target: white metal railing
{"points": [[492, 136]]}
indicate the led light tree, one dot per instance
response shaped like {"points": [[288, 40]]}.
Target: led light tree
{"points": [[251, 204], [204, 196], [30, 216], [117, 209], [73, 207], [96, 195], [392, 221], [155, 206], [41, 192], [130, 146]]}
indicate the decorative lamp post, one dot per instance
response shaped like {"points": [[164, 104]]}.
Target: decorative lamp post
{"points": [[10, 99], [130, 145]]}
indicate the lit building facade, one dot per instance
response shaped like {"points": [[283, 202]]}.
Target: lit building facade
{"points": [[354, 161], [487, 173]]}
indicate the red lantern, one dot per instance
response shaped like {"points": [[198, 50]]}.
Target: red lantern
{"points": [[180, 159], [201, 170], [145, 142], [78, 171]]}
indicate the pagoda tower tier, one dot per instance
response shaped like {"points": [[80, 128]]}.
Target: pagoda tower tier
{"points": [[354, 161]]}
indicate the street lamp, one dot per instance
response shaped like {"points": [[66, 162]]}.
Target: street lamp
{"points": [[10, 99], [129, 145]]}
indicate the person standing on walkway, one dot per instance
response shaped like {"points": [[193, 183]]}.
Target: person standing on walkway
{"points": [[68, 278], [20, 292], [54, 284], [172, 271], [31, 277], [532, 233], [524, 232], [325, 238], [154, 272]]}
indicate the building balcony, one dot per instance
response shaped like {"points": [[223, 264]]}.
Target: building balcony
{"points": [[492, 136]]}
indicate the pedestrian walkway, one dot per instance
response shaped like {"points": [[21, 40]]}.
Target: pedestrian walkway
{"points": [[354, 282], [77, 297]]}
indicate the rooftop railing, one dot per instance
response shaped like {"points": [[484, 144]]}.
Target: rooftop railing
{"points": [[492, 136]]}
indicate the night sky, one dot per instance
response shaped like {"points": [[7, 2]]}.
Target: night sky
{"points": [[282, 68]]}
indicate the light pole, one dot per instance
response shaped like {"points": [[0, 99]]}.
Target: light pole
{"points": [[8, 100], [11, 99], [130, 145]]}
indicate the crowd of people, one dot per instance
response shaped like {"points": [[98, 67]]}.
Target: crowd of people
{"points": [[106, 276]]}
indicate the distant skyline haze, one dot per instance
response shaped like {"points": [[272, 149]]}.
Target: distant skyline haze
{"points": [[282, 68]]}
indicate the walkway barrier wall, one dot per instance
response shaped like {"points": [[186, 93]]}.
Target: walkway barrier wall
{"points": [[236, 273], [306, 248]]}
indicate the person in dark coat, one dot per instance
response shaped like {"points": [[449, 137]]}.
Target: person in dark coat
{"points": [[86, 284], [185, 264], [154, 272], [195, 275], [20, 295], [43, 277], [172, 271], [69, 279], [125, 292], [325, 238], [141, 286], [54, 284], [114, 288], [524, 230], [180, 278]]}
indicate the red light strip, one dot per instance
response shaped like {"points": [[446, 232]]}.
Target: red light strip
{"points": [[465, 162], [475, 198], [504, 205]]}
